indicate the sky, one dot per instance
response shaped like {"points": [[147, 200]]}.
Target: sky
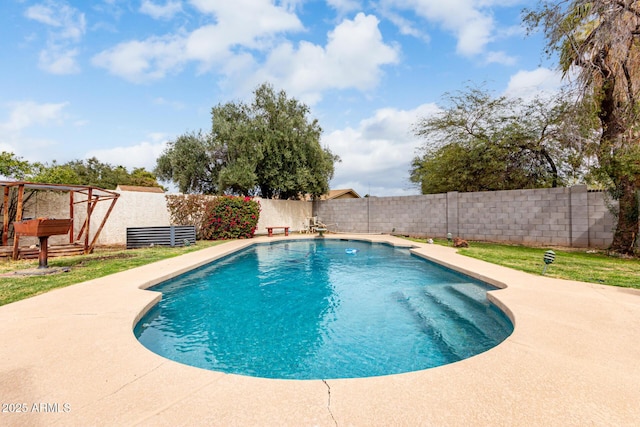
{"points": [[118, 79]]}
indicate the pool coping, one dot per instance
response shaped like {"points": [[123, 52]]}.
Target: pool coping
{"points": [[69, 357]]}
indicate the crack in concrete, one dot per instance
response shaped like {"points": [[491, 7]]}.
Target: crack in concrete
{"points": [[329, 402], [135, 379]]}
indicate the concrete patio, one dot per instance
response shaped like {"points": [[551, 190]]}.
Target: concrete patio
{"points": [[69, 358]]}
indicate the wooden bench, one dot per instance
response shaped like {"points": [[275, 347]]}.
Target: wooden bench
{"points": [[270, 230]]}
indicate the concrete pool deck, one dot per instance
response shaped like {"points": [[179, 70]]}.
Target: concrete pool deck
{"points": [[69, 358]]}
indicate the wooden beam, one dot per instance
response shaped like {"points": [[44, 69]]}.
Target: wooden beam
{"points": [[16, 238], [90, 205], [84, 223], [104, 220], [5, 223], [71, 216]]}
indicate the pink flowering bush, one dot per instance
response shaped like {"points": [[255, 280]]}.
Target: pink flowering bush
{"points": [[230, 217]]}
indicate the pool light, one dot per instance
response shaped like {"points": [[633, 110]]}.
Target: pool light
{"points": [[549, 257]]}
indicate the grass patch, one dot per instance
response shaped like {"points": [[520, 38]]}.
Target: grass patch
{"points": [[102, 262], [592, 266]]}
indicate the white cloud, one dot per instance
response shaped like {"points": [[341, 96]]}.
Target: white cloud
{"points": [[344, 6], [140, 155], [157, 11], [499, 58], [377, 153], [352, 58], [176, 105], [210, 44], [30, 148], [235, 29], [247, 19], [406, 26], [43, 14], [57, 60], [66, 22], [466, 19], [291, 5], [66, 26], [144, 61], [527, 84], [26, 114], [471, 22]]}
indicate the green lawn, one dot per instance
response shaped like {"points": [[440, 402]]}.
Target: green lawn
{"points": [[101, 263], [569, 264], [582, 265]]}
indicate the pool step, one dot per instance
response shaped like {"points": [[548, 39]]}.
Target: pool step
{"points": [[458, 335], [428, 326], [470, 335], [478, 295], [472, 292], [468, 303]]}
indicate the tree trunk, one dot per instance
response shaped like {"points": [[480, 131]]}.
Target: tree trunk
{"points": [[624, 238], [626, 190], [552, 166]]}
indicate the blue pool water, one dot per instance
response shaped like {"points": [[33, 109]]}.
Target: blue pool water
{"points": [[321, 309]]}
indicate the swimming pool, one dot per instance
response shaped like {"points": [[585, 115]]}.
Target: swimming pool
{"points": [[321, 309]]}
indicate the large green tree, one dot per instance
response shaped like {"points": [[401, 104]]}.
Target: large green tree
{"points": [[269, 147], [192, 163], [91, 172], [598, 44], [482, 142], [13, 167]]}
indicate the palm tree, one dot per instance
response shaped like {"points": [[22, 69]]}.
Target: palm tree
{"points": [[598, 42]]}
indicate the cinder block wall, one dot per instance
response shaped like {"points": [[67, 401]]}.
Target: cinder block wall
{"points": [[551, 216], [414, 215], [601, 221], [540, 216], [554, 216]]}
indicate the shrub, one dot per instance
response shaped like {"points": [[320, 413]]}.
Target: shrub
{"points": [[231, 217], [189, 209]]}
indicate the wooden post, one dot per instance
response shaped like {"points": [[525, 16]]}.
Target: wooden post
{"points": [[104, 220], [44, 252], [5, 224], [16, 238], [71, 216], [88, 221], [84, 225]]}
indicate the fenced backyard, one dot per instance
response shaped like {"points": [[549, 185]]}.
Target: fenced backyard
{"points": [[571, 217]]}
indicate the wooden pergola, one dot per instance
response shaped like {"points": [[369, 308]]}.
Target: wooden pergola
{"points": [[92, 195]]}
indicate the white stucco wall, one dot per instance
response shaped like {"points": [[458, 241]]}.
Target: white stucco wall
{"points": [[133, 209], [140, 209], [290, 213]]}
